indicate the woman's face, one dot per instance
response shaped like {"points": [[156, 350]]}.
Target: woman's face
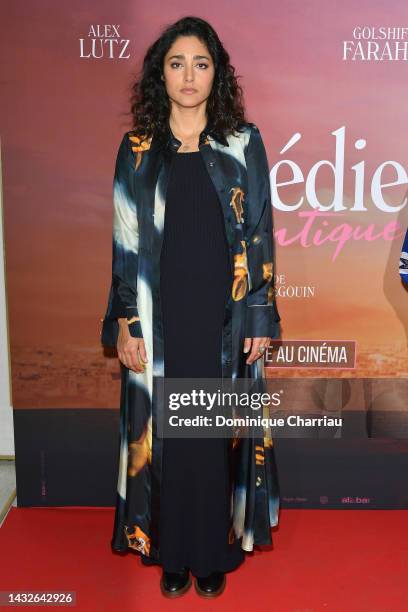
{"points": [[188, 71]]}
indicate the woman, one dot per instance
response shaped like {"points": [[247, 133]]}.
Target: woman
{"points": [[191, 297]]}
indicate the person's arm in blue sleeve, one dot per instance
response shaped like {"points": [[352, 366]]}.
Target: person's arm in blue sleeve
{"points": [[262, 317]]}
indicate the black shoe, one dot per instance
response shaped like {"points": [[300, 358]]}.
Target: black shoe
{"points": [[174, 584], [211, 585]]}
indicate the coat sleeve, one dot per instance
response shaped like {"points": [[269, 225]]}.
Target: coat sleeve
{"points": [[122, 300], [262, 317], [403, 263]]}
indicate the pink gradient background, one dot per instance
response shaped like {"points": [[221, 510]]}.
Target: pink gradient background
{"points": [[62, 120]]}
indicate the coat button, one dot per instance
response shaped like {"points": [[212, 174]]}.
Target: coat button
{"points": [[211, 163]]}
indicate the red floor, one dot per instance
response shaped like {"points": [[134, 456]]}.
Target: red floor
{"points": [[345, 560]]}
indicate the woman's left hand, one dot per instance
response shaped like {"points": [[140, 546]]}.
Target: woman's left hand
{"points": [[253, 345]]}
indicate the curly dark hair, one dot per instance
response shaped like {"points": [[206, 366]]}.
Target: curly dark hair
{"points": [[150, 106]]}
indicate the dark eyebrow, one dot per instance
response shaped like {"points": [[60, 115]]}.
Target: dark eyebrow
{"points": [[181, 56]]}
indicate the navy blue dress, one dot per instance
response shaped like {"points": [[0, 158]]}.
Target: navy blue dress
{"points": [[195, 497]]}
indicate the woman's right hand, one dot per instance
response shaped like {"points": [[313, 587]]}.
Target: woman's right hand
{"points": [[131, 351]]}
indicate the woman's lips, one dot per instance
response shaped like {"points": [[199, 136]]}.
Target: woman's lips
{"points": [[188, 91]]}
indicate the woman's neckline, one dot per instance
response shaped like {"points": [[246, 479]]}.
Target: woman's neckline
{"points": [[187, 152]]}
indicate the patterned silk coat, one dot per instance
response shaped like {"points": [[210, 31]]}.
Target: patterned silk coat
{"points": [[403, 262], [238, 167]]}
